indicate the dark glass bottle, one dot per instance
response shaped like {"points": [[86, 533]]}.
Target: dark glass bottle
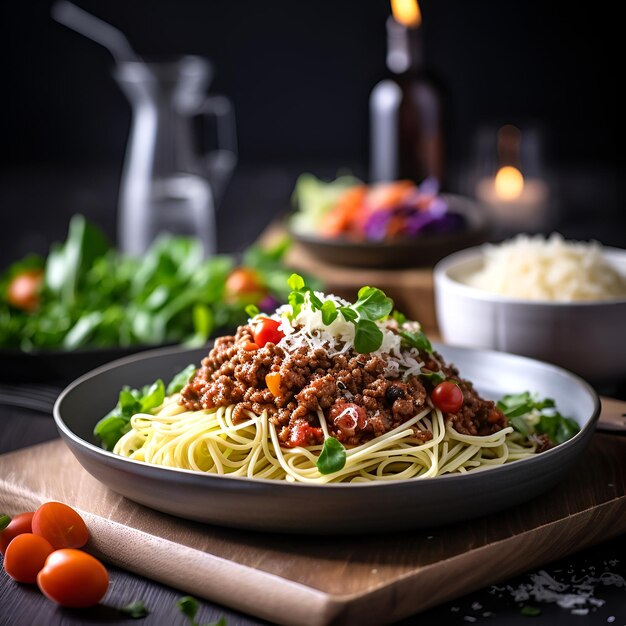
{"points": [[406, 114]]}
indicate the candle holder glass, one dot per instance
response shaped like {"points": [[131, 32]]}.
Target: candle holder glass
{"points": [[508, 177]]}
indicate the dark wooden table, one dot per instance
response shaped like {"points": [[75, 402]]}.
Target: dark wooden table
{"points": [[24, 605]]}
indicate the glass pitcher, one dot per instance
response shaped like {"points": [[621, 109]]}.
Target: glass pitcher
{"points": [[168, 183]]}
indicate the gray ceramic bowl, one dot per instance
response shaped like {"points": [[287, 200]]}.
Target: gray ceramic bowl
{"points": [[337, 508], [588, 338]]}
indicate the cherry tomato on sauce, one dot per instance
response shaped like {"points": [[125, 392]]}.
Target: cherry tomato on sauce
{"points": [[447, 397], [25, 557], [18, 525], [23, 290], [244, 285], [267, 331], [73, 578], [61, 525]]}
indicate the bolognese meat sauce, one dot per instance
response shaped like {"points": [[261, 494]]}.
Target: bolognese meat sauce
{"points": [[355, 393]]}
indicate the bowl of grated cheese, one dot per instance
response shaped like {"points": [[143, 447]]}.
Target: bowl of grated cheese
{"points": [[548, 298]]}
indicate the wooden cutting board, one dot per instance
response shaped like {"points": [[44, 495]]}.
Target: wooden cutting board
{"points": [[331, 580]]}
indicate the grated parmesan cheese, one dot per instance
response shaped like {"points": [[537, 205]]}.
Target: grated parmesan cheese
{"points": [[553, 269]]}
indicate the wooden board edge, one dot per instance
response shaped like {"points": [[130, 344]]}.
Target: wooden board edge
{"points": [[462, 574]]}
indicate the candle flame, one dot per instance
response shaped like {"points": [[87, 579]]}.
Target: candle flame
{"points": [[509, 183], [406, 12]]}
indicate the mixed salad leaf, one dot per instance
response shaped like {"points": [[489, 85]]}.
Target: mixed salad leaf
{"points": [[531, 416], [132, 401], [85, 293]]}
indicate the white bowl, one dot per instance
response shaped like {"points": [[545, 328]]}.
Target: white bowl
{"points": [[588, 338]]}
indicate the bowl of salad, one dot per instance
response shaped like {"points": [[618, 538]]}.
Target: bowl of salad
{"points": [[85, 303], [385, 225]]}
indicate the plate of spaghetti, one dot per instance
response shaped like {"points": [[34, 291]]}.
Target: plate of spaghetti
{"points": [[327, 416]]}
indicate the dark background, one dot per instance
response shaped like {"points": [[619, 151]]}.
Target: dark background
{"points": [[299, 74]]}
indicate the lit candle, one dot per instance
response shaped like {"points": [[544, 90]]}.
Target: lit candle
{"points": [[510, 199]]}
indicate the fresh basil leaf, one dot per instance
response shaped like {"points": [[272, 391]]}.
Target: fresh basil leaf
{"points": [[180, 380], [316, 303], [329, 312], [152, 396], [135, 610], [348, 313], [332, 458], [203, 322], [110, 429], [188, 607], [296, 282], [5, 520], [416, 340], [296, 300], [367, 337], [373, 304], [520, 425], [434, 377]]}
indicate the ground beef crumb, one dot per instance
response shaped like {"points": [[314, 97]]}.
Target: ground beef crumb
{"points": [[349, 391]]}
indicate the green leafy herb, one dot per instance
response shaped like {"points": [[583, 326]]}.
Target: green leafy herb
{"points": [[416, 340], [399, 317], [532, 416], [530, 611], [332, 458], [296, 282], [348, 313], [516, 404], [372, 304], [180, 380], [367, 337], [329, 312], [5, 520], [434, 377], [189, 608], [252, 310], [136, 610]]}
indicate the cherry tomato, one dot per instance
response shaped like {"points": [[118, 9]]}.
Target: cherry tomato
{"points": [[244, 286], [19, 524], [61, 525], [73, 578], [267, 331], [23, 290], [25, 556], [447, 397]]}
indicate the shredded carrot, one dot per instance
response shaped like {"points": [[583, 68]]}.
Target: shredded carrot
{"points": [[272, 380]]}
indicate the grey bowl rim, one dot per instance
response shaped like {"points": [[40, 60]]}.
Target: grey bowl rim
{"points": [[467, 255], [170, 472]]}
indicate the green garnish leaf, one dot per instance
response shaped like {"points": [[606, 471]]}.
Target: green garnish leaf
{"points": [[252, 310], [180, 380], [434, 377], [316, 303], [373, 304], [399, 317], [532, 416], [416, 340], [367, 337], [188, 607], [296, 300], [329, 312], [349, 314], [5, 520], [530, 611], [333, 457], [136, 610], [131, 401], [296, 282]]}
